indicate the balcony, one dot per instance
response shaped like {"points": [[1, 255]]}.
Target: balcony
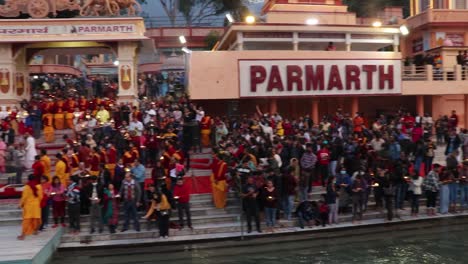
{"points": [[438, 16], [428, 80]]}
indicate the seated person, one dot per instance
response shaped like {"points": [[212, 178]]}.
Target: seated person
{"points": [[308, 212]]}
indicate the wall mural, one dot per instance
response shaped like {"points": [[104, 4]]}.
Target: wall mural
{"points": [[52, 8], [126, 75]]}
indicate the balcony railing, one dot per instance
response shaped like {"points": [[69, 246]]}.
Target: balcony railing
{"points": [[438, 16], [431, 73]]}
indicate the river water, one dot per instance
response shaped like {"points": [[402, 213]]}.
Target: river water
{"points": [[435, 245]]}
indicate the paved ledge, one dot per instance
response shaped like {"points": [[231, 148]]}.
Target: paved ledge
{"points": [[342, 229], [33, 250]]}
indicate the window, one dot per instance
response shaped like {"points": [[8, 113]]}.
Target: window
{"points": [[460, 4], [424, 5], [438, 4]]}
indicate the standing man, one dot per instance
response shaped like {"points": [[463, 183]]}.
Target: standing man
{"points": [[30, 203], [308, 161], [131, 194], [94, 161], [30, 150], [60, 169], [46, 163], [38, 169], [95, 193], [249, 203], [182, 196], [139, 172], [74, 204]]}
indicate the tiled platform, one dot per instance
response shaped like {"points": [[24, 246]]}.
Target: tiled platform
{"points": [[33, 250]]}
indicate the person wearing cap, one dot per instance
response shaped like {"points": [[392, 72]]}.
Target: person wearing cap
{"points": [[94, 193], [182, 195]]}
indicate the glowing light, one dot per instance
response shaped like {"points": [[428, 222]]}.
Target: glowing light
{"points": [[250, 19], [377, 24], [116, 63], [230, 18], [404, 30], [312, 21], [186, 50], [182, 40]]}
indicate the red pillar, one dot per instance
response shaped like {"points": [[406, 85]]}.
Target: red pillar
{"points": [[273, 106], [315, 110], [354, 105], [420, 105]]}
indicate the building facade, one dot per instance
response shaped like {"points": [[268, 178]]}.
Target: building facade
{"points": [[313, 56]]}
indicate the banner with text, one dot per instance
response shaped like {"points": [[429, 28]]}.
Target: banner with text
{"points": [[68, 29], [276, 78]]}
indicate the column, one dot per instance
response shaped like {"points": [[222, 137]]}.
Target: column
{"points": [[420, 105], [466, 111], [128, 88], [315, 111], [354, 105], [273, 106], [21, 81], [295, 41], [7, 69]]}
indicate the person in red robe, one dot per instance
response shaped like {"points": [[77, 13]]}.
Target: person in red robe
{"points": [[38, 169], [83, 104], [127, 158], [94, 161], [111, 160]]}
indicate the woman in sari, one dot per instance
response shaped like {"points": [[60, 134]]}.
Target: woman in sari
{"points": [[31, 204], [111, 208]]}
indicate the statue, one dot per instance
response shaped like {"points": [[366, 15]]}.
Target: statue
{"points": [[132, 6], [37, 8]]}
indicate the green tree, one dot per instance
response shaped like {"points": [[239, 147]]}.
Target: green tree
{"points": [[370, 8], [211, 39]]}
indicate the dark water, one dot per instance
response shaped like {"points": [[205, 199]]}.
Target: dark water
{"points": [[434, 245]]}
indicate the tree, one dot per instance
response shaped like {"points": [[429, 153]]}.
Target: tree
{"points": [[369, 8], [196, 11], [211, 39]]}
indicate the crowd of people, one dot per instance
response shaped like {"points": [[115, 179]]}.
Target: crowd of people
{"points": [[273, 163]]}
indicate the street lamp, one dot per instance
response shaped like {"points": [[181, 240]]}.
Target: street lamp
{"points": [[404, 30], [182, 40], [230, 18], [312, 21], [186, 50], [250, 19]]}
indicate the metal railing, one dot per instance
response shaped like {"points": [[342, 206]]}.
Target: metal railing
{"points": [[180, 21], [431, 73]]}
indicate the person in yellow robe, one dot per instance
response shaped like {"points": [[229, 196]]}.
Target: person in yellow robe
{"points": [[69, 117], [60, 170], [45, 160], [49, 132], [31, 204], [205, 130], [59, 119], [218, 182]]}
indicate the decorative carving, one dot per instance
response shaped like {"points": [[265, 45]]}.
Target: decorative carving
{"points": [[109, 7], [126, 76], [37, 8], [4, 80], [19, 84]]}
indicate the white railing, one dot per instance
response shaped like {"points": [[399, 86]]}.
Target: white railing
{"points": [[431, 73]]}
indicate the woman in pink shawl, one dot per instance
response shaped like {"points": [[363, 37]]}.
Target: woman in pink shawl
{"points": [[3, 148]]}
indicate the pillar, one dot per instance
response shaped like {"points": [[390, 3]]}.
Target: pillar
{"points": [[7, 72], [21, 81], [466, 111], [420, 105], [354, 105], [273, 106], [128, 88], [315, 111]]}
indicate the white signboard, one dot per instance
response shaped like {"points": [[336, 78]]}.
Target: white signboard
{"points": [[278, 78], [67, 29]]}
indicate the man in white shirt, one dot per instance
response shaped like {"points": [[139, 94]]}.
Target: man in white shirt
{"points": [[200, 114], [136, 126]]}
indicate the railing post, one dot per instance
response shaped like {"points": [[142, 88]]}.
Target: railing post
{"points": [[429, 73], [413, 69], [458, 73]]}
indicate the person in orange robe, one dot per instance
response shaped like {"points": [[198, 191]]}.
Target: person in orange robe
{"points": [[218, 182], [67, 162], [205, 126], [69, 117], [75, 162], [59, 119], [94, 162], [31, 204], [111, 160], [83, 104], [48, 122], [127, 158]]}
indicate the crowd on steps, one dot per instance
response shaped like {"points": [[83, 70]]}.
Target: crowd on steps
{"points": [[271, 162]]}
